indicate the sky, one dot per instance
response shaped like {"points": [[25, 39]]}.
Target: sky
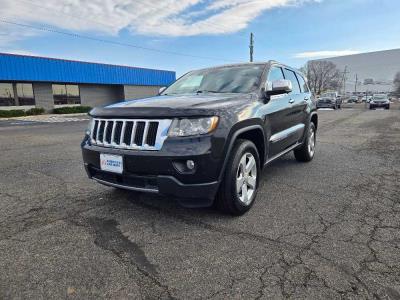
{"points": [[182, 35]]}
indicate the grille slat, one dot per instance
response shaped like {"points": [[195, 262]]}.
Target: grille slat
{"points": [[116, 138], [105, 132], [152, 134], [100, 132], [139, 133], [108, 131], [95, 127], [130, 134]]}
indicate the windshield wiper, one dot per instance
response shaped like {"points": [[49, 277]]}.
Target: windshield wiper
{"points": [[205, 91]]}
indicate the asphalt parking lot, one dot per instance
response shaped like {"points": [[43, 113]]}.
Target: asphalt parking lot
{"points": [[326, 229]]}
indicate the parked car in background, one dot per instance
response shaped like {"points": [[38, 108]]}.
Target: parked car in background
{"points": [[333, 95], [379, 101], [353, 99], [327, 102], [366, 99]]}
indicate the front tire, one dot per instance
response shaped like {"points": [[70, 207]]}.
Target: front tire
{"points": [[239, 186], [306, 151]]}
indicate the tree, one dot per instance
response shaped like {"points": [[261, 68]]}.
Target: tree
{"points": [[322, 75], [396, 83]]}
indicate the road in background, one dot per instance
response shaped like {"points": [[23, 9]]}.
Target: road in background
{"points": [[325, 229]]}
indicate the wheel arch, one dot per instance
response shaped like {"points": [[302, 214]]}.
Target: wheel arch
{"points": [[256, 134], [314, 119]]}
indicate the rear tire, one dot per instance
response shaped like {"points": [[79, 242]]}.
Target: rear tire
{"points": [[239, 185], [306, 151]]}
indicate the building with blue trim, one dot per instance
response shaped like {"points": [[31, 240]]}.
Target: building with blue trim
{"points": [[29, 81]]}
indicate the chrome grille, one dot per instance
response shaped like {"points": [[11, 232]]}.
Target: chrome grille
{"points": [[130, 133]]}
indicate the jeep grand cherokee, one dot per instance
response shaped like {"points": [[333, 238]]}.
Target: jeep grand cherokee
{"points": [[205, 139]]}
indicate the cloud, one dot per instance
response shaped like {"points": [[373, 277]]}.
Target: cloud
{"points": [[325, 54], [19, 51], [147, 17]]}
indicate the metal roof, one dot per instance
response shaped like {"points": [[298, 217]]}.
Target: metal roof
{"points": [[41, 69]]}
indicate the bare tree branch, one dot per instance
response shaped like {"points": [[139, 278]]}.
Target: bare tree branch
{"points": [[322, 75]]}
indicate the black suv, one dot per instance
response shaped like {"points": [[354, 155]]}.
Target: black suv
{"points": [[206, 138]]}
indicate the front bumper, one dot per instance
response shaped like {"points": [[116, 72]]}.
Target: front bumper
{"points": [[163, 171], [379, 105], [326, 105]]}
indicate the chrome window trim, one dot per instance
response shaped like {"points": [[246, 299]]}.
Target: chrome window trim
{"points": [[286, 133]]}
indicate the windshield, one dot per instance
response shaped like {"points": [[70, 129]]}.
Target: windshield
{"points": [[240, 79], [380, 97], [329, 95]]}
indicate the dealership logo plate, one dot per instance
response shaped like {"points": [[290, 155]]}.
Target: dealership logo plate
{"points": [[111, 163]]}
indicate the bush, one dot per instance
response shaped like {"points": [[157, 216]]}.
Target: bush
{"points": [[20, 112], [38, 111], [72, 109], [34, 111], [12, 113]]}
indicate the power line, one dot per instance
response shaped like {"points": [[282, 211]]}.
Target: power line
{"points": [[87, 37]]}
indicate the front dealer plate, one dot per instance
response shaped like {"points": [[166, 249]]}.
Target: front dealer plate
{"points": [[111, 163]]}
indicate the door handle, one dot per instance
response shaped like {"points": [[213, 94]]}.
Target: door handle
{"points": [[306, 98], [291, 101]]}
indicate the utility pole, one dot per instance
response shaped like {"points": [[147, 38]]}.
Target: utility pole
{"points": [[345, 72], [251, 46], [355, 86]]}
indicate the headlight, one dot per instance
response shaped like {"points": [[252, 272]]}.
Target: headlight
{"points": [[188, 127], [89, 127]]}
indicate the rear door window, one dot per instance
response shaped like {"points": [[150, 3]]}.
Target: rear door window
{"points": [[290, 75], [303, 84]]}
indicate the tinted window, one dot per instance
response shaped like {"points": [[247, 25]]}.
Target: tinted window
{"points": [[303, 84], [290, 75], [66, 94], [275, 74], [240, 79], [6, 94], [25, 94]]}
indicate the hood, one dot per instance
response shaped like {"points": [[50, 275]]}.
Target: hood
{"points": [[174, 106]]}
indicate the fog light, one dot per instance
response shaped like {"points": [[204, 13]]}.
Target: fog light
{"points": [[190, 164]]}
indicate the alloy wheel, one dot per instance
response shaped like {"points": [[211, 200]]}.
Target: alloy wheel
{"points": [[246, 178], [311, 142]]}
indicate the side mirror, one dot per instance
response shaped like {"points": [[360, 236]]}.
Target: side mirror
{"points": [[278, 87], [162, 89]]}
